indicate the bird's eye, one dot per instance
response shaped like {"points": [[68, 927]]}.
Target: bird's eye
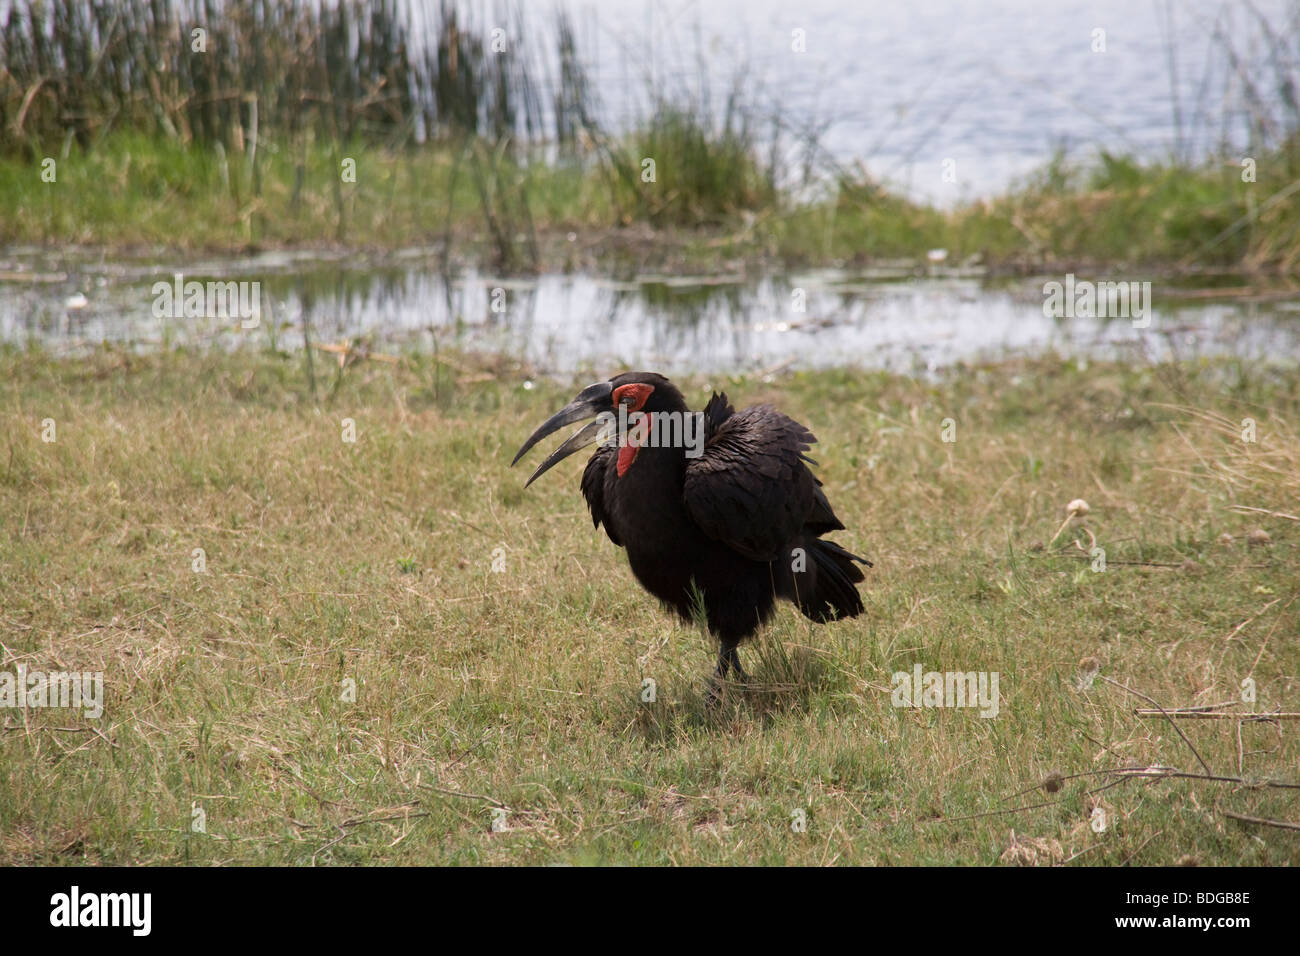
{"points": [[633, 395]]}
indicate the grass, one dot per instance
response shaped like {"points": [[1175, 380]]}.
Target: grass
{"points": [[710, 204], [520, 690], [710, 175], [1113, 212], [1117, 209], [162, 193]]}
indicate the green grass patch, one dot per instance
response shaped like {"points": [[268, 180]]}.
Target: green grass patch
{"points": [[705, 201]]}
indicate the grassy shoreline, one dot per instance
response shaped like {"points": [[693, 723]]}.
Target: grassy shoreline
{"points": [[135, 193], [327, 560], [128, 123]]}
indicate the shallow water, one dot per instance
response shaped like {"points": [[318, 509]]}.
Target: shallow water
{"points": [[886, 318]]}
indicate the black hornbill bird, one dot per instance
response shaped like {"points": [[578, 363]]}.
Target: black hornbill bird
{"points": [[726, 510]]}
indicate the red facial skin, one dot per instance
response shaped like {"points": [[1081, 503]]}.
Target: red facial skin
{"points": [[637, 394]]}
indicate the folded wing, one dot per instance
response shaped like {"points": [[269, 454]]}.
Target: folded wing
{"points": [[751, 488]]}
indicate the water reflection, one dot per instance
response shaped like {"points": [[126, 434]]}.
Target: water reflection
{"points": [[564, 324]]}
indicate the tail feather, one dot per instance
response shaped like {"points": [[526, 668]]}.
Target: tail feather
{"points": [[826, 590]]}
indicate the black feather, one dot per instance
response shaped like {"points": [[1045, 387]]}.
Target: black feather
{"points": [[741, 523]]}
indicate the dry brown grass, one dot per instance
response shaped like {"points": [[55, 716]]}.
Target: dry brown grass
{"points": [[520, 691]]}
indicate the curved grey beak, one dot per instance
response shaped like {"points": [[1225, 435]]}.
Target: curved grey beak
{"points": [[591, 401]]}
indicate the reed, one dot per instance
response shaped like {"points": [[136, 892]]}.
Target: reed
{"points": [[203, 70]]}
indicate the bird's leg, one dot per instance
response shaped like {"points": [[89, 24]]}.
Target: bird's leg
{"points": [[728, 660], [733, 659], [713, 696]]}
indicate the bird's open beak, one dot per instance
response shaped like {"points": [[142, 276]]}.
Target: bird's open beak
{"points": [[591, 401]]}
